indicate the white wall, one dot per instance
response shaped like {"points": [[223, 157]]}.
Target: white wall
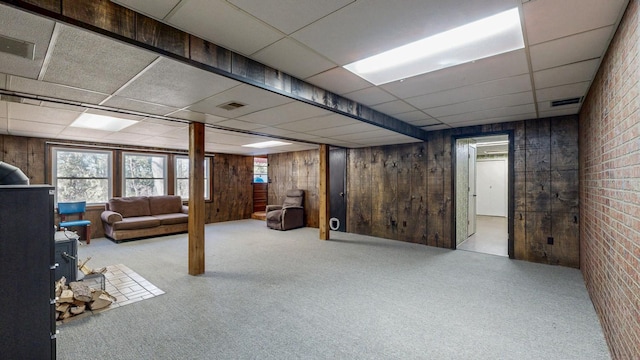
{"points": [[492, 187]]}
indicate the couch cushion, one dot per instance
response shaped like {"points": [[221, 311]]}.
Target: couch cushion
{"points": [[137, 222], [170, 219], [130, 206], [167, 204]]}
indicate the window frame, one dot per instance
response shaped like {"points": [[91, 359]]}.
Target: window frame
{"points": [[124, 177], [207, 176], [54, 169]]}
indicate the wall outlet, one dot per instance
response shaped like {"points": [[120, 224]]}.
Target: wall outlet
{"points": [[550, 240]]}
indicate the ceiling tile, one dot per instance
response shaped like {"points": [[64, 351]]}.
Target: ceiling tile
{"points": [[293, 58], [274, 131], [223, 24], [299, 13], [150, 128], [567, 74], [584, 46], [196, 116], [560, 112], [483, 70], [156, 9], [41, 114], [563, 91], [313, 124], [175, 84], [490, 114], [54, 91], [502, 86], [339, 81], [394, 107], [367, 28], [370, 96], [285, 113], [255, 99], [51, 129], [358, 137], [412, 116], [239, 124], [20, 25], [424, 122], [3, 81], [551, 19], [118, 102], [4, 125], [545, 106], [347, 129], [482, 104], [496, 120], [75, 133], [3, 109], [78, 56], [130, 138]]}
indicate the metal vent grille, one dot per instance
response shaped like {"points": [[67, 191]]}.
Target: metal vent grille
{"points": [[17, 47], [562, 102], [231, 105]]}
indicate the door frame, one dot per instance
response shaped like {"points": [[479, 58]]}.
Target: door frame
{"points": [[510, 178]]}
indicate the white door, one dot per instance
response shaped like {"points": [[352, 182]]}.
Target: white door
{"points": [[492, 187], [472, 190]]}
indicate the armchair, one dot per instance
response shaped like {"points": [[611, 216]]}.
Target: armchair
{"points": [[290, 214]]}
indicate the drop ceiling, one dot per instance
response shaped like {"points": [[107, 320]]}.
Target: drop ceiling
{"points": [[77, 71]]}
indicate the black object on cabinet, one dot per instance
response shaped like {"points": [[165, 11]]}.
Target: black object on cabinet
{"points": [[27, 282]]}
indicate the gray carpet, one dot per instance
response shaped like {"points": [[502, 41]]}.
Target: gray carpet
{"points": [[287, 295]]}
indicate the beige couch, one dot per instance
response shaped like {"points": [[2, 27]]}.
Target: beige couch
{"points": [[143, 216]]}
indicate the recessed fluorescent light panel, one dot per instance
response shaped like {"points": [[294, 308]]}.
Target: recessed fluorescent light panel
{"points": [[101, 122], [267, 144], [480, 39]]}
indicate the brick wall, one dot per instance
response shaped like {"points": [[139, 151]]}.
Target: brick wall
{"points": [[610, 190]]}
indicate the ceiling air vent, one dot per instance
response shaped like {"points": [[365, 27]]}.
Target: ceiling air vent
{"points": [[231, 105], [562, 102], [17, 47]]}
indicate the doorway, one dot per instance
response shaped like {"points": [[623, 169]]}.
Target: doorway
{"points": [[482, 194]]}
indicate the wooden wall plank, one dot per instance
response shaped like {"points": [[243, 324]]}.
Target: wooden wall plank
{"points": [[448, 238], [103, 14], [565, 230], [161, 36], [359, 191], [538, 191], [36, 160], [250, 69], [210, 54], [564, 191], [435, 190], [537, 229], [51, 5], [324, 171], [406, 221], [384, 178]]}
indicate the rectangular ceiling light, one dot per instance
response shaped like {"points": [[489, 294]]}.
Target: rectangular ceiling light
{"points": [[101, 122], [267, 144], [480, 39]]}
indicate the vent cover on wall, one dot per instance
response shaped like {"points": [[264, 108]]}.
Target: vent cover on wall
{"points": [[562, 102], [17, 47], [231, 105]]}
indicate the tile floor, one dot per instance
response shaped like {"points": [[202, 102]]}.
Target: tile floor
{"points": [[491, 236], [127, 286]]}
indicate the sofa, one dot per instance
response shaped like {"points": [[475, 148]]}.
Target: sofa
{"points": [[143, 216]]}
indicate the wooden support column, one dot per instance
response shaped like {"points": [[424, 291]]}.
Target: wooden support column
{"points": [[196, 198], [324, 192]]}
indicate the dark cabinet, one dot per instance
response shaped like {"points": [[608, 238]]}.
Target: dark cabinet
{"points": [[28, 328]]}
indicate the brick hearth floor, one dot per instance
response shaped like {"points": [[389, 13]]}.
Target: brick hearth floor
{"points": [[127, 286]]}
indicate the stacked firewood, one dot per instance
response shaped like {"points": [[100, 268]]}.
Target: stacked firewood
{"points": [[76, 298]]}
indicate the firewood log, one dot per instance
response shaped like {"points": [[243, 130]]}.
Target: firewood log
{"points": [[75, 310], [66, 296], [81, 291]]}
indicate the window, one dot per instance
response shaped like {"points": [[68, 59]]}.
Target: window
{"points": [[182, 177], [144, 174], [82, 175], [260, 166]]}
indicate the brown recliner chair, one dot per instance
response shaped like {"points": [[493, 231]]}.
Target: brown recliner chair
{"points": [[290, 214]]}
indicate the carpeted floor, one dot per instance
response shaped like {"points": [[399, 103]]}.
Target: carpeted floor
{"points": [[287, 295]]}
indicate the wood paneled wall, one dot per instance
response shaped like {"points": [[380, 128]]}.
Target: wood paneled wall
{"points": [[232, 189], [232, 176], [296, 170]]}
